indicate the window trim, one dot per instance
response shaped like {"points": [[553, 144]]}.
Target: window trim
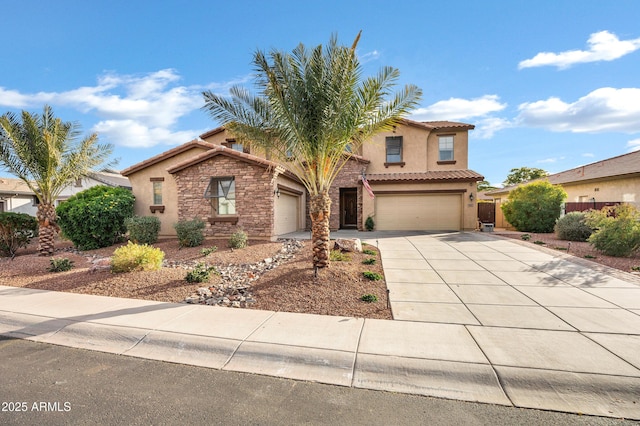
{"points": [[400, 140], [215, 197], [451, 160]]}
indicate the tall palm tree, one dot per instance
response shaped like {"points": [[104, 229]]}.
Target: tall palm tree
{"points": [[43, 151], [311, 111]]}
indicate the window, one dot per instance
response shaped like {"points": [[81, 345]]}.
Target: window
{"points": [[237, 147], [222, 194], [394, 149], [446, 148], [157, 193]]}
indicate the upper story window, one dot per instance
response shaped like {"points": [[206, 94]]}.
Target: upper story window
{"points": [[237, 147], [222, 194], [394, 150], [445, 144]]}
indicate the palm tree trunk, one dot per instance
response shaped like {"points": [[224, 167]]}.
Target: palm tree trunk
{"points": [[47, 228], [319, 208]]}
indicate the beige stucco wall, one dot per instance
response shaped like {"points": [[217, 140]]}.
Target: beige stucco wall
{"points": [[143, 190], [420, 150], [625, 189], [469, 208]]}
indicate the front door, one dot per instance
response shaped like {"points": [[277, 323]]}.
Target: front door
{"points": [[348, 208]]}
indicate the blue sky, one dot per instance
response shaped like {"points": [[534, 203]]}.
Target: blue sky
{"points": [[553, 84]]}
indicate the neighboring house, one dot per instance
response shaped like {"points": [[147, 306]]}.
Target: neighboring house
{"points": [[612, 180], [418, 173], [15, 195]]}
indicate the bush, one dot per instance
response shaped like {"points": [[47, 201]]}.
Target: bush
{"points": [[190, 232], [369, 261], [338, 256], [534, 207], [143, 229], [369, 252], [373, 276], [616, 230], [94, 218], [238, 239], [16, 232], [208, 251], [135, 257], [60, 265], [369, 224], [369, 298], [201, 273], [571, 227]]}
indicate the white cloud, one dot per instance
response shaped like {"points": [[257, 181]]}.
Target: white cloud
{"points": [[459, 109], [369, 56], [477, 111], [603, 46], [588, 155], [133, 134], [550, 160], [633, 145], [131, 110], [603, 110]]}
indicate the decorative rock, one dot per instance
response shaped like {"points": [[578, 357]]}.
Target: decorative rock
{"points": [[192, 299], [345, 244]]}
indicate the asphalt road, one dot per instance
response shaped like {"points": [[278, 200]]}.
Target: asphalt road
{"points": [[57, 385]]}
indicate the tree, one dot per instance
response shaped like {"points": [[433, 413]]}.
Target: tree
{"points": [[312, 110], [524, 174], [43, 151], [534, 207], [485, 185]]}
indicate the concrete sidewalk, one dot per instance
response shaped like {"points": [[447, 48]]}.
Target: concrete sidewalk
{"points": [[477, 319]]}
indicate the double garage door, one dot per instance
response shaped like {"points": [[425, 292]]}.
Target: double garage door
{"points": [[419, 212], [287, 213]]}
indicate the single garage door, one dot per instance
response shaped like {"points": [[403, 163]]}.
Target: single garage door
{"points": [[286, 213], [419, 212]]}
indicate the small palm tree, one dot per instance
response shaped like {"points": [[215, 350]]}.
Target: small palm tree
{"points": [[41, 150], [313, 110]]}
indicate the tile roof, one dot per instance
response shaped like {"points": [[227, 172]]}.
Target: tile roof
{"points": [[111, 179], [626, 164], [13, 186], [431, 176], [167, 154], [438, 125]]}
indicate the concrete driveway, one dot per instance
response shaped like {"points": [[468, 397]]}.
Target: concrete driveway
{"points": [[477, 318]]}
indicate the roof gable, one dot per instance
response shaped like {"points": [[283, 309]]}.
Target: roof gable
{"points": [[166, 155]]}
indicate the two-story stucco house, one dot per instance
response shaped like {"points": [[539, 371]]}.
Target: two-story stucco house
{"points": [[418, 174]]}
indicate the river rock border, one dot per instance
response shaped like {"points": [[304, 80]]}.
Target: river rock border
{"points": [[235, 289]]}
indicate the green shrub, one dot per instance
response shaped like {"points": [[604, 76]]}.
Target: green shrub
{"points": [[534, 207], [369, 252], [94, 218], [373, 276], [190, 232], [525, 237], [136, 257], [369, 298], [338, 256], [143, 229], [571, 227], [209, 250], [616, 230], [16, 232], [60, 264], [201, 273], [238, 239], [369, 261], [540, 243], [369, 224]]}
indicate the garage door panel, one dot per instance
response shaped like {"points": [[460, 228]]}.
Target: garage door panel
{"points": [[419, 212], [286, 213]]}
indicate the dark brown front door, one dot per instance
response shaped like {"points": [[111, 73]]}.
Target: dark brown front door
{"points": [[348, 208]]}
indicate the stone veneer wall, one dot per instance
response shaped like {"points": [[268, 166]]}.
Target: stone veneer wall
{"points": [[254, 196], [349, 177]]}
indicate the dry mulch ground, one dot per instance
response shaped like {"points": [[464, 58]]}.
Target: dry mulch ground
{"points": [[291, 287]]}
